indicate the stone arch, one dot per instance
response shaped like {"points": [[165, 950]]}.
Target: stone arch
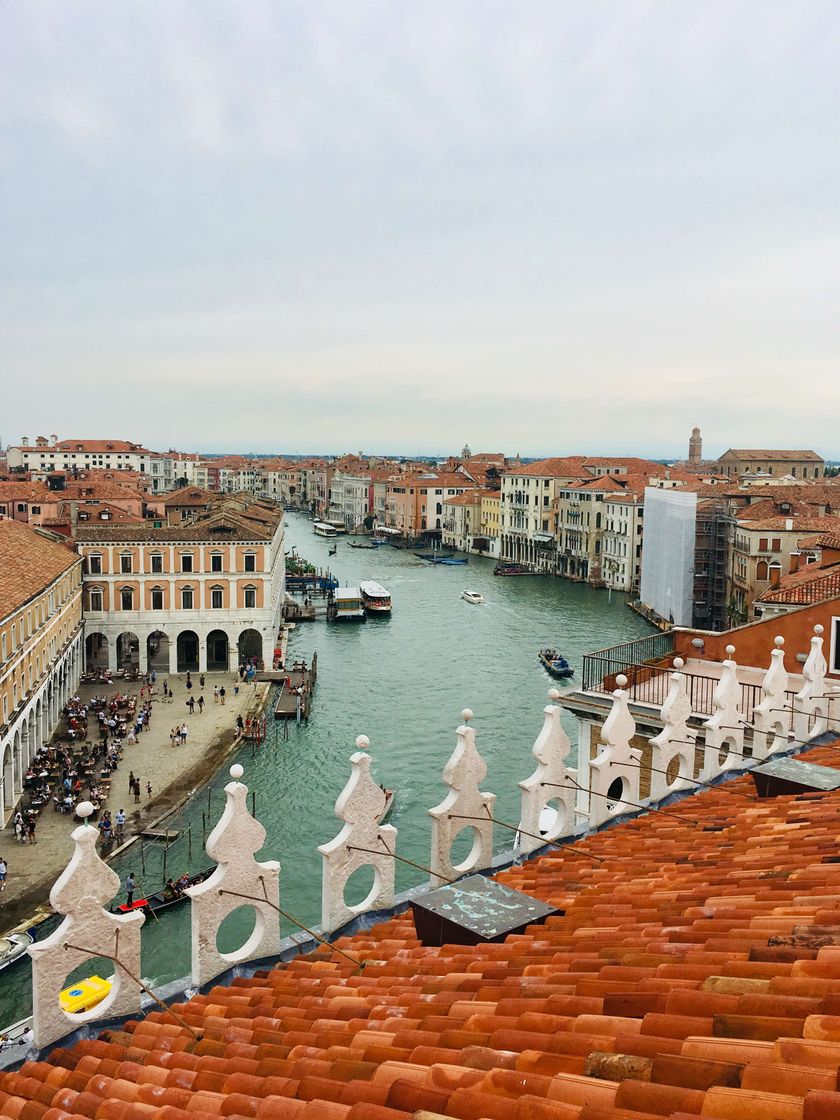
{"points": [[250, 645], [218, 652], [157, 652], [17, 764], [6, 769], [187, 651], [96, 652], [128, 650], [39, 725]]}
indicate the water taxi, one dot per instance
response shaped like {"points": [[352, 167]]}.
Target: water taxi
{"points": [[346, 605], [376, 598], [555, 663], [322, 529], [472, 596]]}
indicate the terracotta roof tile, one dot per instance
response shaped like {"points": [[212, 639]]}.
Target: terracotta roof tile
{"points": [[29, 562]]}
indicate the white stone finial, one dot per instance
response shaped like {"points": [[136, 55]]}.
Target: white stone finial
{"points": [[675, 741], [236, 771], [362, 742], [771, 718], [551, 750], [724, 748], [81, 893], [466, 715], [463, 774], [84, 809], [811, 719], [621, 680], [238, 880], [617, 761], [819, 629], [554, 695], [362, 842]]}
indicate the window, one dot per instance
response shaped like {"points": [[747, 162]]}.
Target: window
{"points": [[35, 509], [216, 562], [216, 598], [761, 570], [127, 599], [157, 598], [762, 544], [157, 562], [186, 562], [250, 562], [125, 564], [776, 544], [250, 597], [835, 645], [95, 599], [94, 563], [187, 598]]}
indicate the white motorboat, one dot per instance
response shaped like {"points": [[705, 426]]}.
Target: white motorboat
{"points": [[13, 946], [472, 596]]}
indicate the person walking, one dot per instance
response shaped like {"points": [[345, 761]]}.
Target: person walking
{"points": [[3, 873], [136, 791], [183, 733], [130, 884], [191, 705], [222, 695], [148, 789], [200, 704], [30, 828], [131, 781], [201, 681], [119, 820], [215, 694]]}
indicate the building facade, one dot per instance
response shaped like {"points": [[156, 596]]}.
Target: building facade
{"points": [[201, 597], [54, 454], [798, 464], [40, 647]]}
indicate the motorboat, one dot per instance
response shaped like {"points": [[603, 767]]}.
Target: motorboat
{"points": [[84, 995], [472, 596], [376, 598], [322, 529], [163, 900], [13, 946], [555, 663], [452, 560], [512, 570]]}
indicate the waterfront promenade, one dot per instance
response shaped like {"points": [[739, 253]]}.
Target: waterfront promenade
{"points": [[172, 771]]}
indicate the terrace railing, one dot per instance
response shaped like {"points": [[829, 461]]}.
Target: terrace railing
{"points": [[617, 659]]}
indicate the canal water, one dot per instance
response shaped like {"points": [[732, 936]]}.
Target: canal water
{"points": [[402, 681]]}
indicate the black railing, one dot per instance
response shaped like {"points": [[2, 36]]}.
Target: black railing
{"points": [[648, 684], [616, 659]]}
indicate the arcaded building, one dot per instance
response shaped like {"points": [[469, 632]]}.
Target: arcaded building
{"points": [[200, 596]]}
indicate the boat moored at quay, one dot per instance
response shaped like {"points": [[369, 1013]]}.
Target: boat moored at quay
{"points": [[346, 605], [376, 598], [322, 529]]}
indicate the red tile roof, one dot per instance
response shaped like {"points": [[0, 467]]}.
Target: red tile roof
{"points": [[780, 456], [29, 562], [811, 584], [696, 972]]}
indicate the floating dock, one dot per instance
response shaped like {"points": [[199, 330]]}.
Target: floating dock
{"points": [[296, 689]]}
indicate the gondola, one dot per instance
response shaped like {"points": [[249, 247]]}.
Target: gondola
{"points": [[555, 663], [160, 900]]}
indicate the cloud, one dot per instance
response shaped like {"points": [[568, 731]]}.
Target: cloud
{"points": [[572, 226]]}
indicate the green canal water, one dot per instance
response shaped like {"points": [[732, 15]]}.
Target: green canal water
{"points": [[402, 681]]}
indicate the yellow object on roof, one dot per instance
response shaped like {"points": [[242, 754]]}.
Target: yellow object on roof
{"points": [[84, 995]]}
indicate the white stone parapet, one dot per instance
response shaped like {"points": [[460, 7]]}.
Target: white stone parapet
{"points": [[362, 842], [80, 893], [239, 880], [464, 807], [614, 772], [548, 788], [675, 743]]}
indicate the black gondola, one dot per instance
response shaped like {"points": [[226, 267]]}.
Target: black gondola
{"points": [[163, 900]]}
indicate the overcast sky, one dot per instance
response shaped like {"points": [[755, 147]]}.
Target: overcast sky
{"points": [[536, 227]]}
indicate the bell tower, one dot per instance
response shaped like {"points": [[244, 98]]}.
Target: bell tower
{"points": [[695, 447]]}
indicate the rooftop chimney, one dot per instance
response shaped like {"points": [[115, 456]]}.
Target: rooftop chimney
{"points": [[794, 562], [775, 575]]}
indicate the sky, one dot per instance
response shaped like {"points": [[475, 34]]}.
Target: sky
{"points": [[543, 227]]}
